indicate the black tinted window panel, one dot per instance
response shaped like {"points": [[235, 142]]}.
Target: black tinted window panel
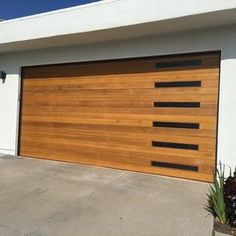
{"points": [[178, 84], [175, 145], [173, 64], [176, 125], [177, 104], [174, 166]]}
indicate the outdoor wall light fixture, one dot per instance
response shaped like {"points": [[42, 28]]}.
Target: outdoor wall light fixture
{"points": [[3, 76]]}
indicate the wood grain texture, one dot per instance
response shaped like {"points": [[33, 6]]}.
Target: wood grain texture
{"points": [[102, 114]]}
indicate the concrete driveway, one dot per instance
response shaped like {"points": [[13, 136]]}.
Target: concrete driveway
{"points": [[42, 198]]}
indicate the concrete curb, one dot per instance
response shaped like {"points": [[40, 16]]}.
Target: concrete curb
{"points": [[215, 233]]}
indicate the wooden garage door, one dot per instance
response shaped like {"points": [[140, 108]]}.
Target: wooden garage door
{"points": [[154, 115]]}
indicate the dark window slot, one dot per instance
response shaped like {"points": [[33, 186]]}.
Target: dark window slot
{"points": [[175, 145], [176, 125], [171, 64], [178, 84], [177, 104], [174, 166]]}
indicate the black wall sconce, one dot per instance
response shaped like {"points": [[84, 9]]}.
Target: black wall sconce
{"points": [[3, 76]]}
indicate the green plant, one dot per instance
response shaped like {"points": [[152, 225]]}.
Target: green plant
{"points": [[230, 198], [216, 196]]}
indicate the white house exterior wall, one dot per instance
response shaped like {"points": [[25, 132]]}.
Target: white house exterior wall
{"points": [[223, 39]]}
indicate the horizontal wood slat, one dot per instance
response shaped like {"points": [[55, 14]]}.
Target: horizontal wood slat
{"points": [[136, 130], [123, 92], [56, 110], [121, 67], [85, 155], [102, 113], [142, 142]]}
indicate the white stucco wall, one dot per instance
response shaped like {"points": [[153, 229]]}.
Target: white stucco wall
{"points": [[223, 39]]}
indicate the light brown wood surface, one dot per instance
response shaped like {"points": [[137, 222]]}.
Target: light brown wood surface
{"points": [[102, 114]]}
